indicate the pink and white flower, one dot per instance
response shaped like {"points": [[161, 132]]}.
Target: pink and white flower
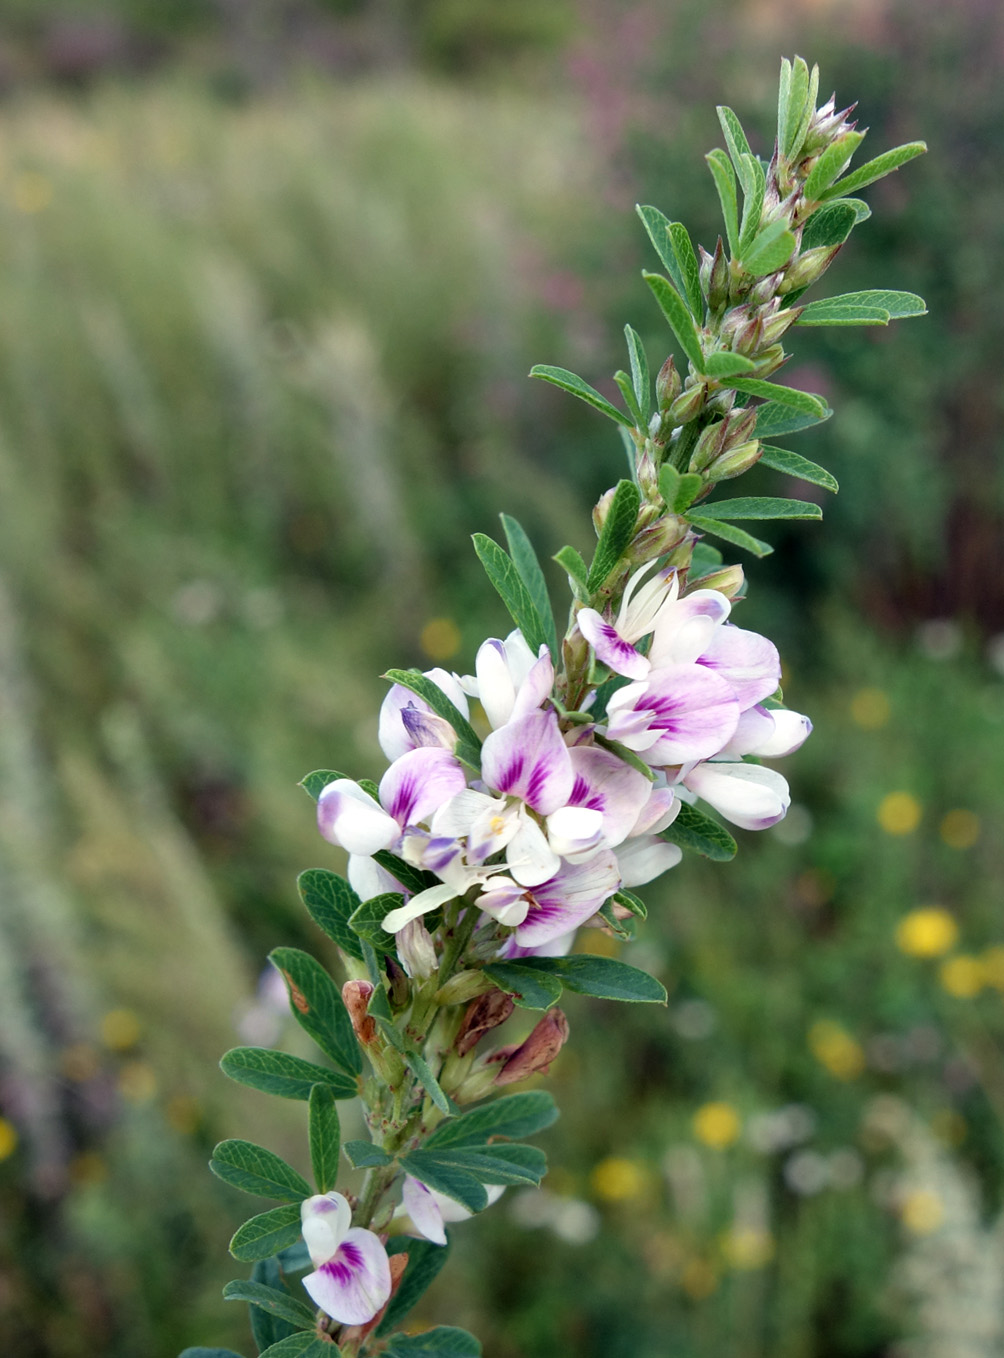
{"points": [[431, 1212], [407, 722], [510, 681], [413, 788], [351, 1281]]}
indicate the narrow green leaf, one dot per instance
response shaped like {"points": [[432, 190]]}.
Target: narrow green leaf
{"points": [[257, 1170], [616, 534], [364, 1155], [793, 121], [783, 89], [669, 483], [626, 388], [330, 901], [514, 594], [572, 563], [623, 929], [379, 1008], [725, 364], [273, 1301], [316, 1004], [368, 921], [497, 1165], [829, 226], [267, 1328], [784, 461], [439, 1173], [425, 1261], [725, 182], [761, 507], [301, 1346], [689, 269], [675, 310], [775, 418], [432, 694], [704, 560], [422, 1071], [875, 306], [445, 1341], [754, 183], [692, 829], [325, 1137], [513, 1116], [289, 1077], [632, 902], [561, 377], [679, 490], [267, 1233], [735, 138], [720, 529], [603, 977], [528, 990], [804, 401], [769, 250], [315, 783], [861, 209], [831, 162], [640, 375], [525, 560], [876, 169]]}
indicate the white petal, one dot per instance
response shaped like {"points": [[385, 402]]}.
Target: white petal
{"points": [[355, 1284], [643, 859], [748, 795], [368, 879], [574, 830], [529, 857], [325, 1219], [420, 1204], [791, 730], [349, 817], [421, 904]]}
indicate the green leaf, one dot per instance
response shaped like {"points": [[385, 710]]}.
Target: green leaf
{"points": [[876, 169], [735, 138], [325, 1134], [875, 306], [267, 1328], [364, 1155], [432, 694], [289, 1077], [425, 1261], [770, 250], [368, 921], [572, 563], [692, 829], [561, 377], [301, 1346], [675, 310], [754, 183], [420, 1068], [804, 401], [761, 507], [640, 375], [632, 902], [497, 1164], [616, 534], [257, 1170], [330, 901], [514, 594], [784, 461], [438, 1172], [626, 388], [379, 1008], [725, 364], [704, 560], [445, 1341], [527, 990], [317, 1006], [513, 1116], [674, 247], [525, 561], [725, 182], [679, 490], [829, 226], [719, 529], [861, 209], [603, 977], [794, 116], [831, 162], [273, 1301], [776, 418], [316, 782], [267, 1233]]}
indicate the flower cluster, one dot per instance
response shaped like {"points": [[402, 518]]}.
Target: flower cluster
{"points": [[566, 809]]}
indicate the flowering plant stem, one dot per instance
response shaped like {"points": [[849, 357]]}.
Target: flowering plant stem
{"points": [[496, 832]]}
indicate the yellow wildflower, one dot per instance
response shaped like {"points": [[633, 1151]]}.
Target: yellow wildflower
{"points": [[927, 932]]}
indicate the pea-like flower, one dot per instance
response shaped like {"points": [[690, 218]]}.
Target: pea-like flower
{"points": [[351, 1280]]}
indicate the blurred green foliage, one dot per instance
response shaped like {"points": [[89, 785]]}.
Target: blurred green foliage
{"points": [[261, 373]]}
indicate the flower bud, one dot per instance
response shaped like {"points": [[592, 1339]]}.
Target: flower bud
{"points": [[689, 404], [482, 1016], [769, 361], [661, 537], [709, 446], [416, 950], [728, 581], [463, 987], [398, 989], [602, 508], [356, 997], [478, 1084], [668, 384], [735, 461], [749, 338], [779, 324], [807, 268], [717, 288], [741, 426], [536, 1053]]}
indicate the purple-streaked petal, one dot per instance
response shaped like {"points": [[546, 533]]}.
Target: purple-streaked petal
{"points": [[428, 729], [529, 857], [505, 901], [610, 647], [574, 831], [325, 1219], [536, 687], [493, 830], [747, 661], [571, 897], [393, 733], [429, 899], [368, 879], [528, 759], [605, 783], [419, 783], [349, 817], [643, 859], [748, 795], [685, 717], [685, 627], [423, 1209], [661, 809], [354, 1284]]}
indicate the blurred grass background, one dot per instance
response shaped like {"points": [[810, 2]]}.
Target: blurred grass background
{"points": [[271, 275]]}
